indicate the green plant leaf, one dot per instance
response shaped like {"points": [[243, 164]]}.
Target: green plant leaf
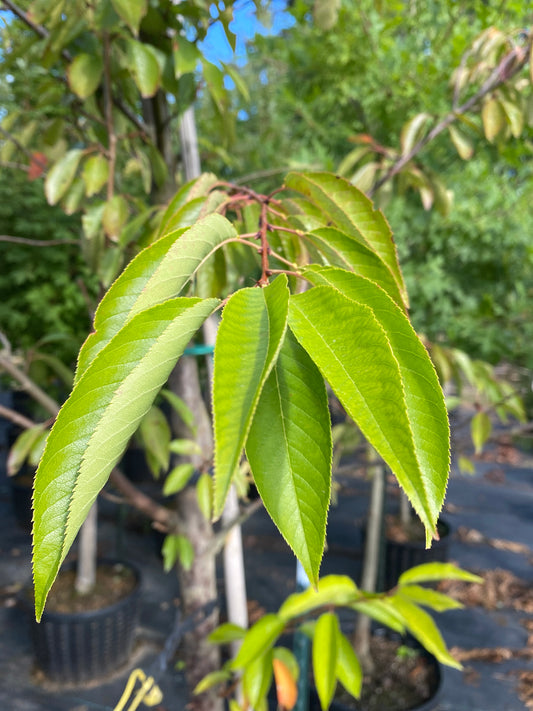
{"points": [[325, 657], [22, 447], [157, 273], [175, 548], [423, 628], [131, 11], [144, 66], [249, 338], [226, 633], [431, 572], [480, 429], [462, 144], [212, 679], [186, 447], [61, 175], [359, 364], [341, 250], [289, 450], [186, 56], [204, 494], [84, 74], [93, 427], [353, 213], [257, 678], [424, 416], [289, 660], [382, 611], [178, 479], [115, 216], [336, 590], [493, 118], [413, 131], [155, 435], [348, 670], [95, 174], [430, 598], [258, 640]]}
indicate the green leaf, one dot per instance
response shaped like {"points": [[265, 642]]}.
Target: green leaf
{"points": [[210, 680], [187, 447], [155, 436], [341, 250], [226, 633], [289, 450], [325, 657], [258, 640], [61, 175], [423, 628], [336, 590], [348, 670], [382, 374], [157, 273], [95, 174], [413, 131], [177, 548], [249, 338], [190, 192], [131, 11], [464, 147], [431, 572], [257, 678], [289, 660], [480, 429], [430, 598], [115, 216], [204, 494], [383, 612], [186, 56], [22, 447], [93, 427], [144, 66], [353, 213], [84, 74], [178, 479], [493, 118], [326, 14]]}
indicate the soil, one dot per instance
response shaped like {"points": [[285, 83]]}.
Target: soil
{"points": [[404, 678], [113, 582], [413, 532]]}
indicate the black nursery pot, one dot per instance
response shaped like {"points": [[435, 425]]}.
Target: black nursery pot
{"points": [[400, 556], [74, 648]]}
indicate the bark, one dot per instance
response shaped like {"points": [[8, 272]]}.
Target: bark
{"points": [[198, 587]]}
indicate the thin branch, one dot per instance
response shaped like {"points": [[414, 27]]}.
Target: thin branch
{"points": [[13, 416], [510, 65], [22, 148], [28, 385], [37, 242]]}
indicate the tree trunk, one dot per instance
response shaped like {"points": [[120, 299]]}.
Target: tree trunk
{"points": [[198, 587]]}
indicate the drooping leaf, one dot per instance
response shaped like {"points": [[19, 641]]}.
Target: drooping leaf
{"points": [[258, 640], [178, 478], [212, 679], [22, 447], [358, 362], [422, 626], [176, 548], [383, 612], [332, 590], [285, 678], [204, 494], [61, 175], [95, 174], [186, 56], [430, 598], [289, 450], [155, 435], [257, 678], [227, 632], [131, 11], [464, 147], [413, 131], [431, 572], [157, 273], [423, 412], [493, 118], [340, 250], [325, 657], [95, 424], [480, 429], [144, 67], [249, 338], [84, 74], [353, 213], [348, 670], [115, 216]]}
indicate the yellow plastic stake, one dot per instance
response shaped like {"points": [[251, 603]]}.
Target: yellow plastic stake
{"points": [[149, 694]]}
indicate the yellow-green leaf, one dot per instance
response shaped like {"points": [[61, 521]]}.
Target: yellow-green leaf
{"points": [[84, 74]]}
